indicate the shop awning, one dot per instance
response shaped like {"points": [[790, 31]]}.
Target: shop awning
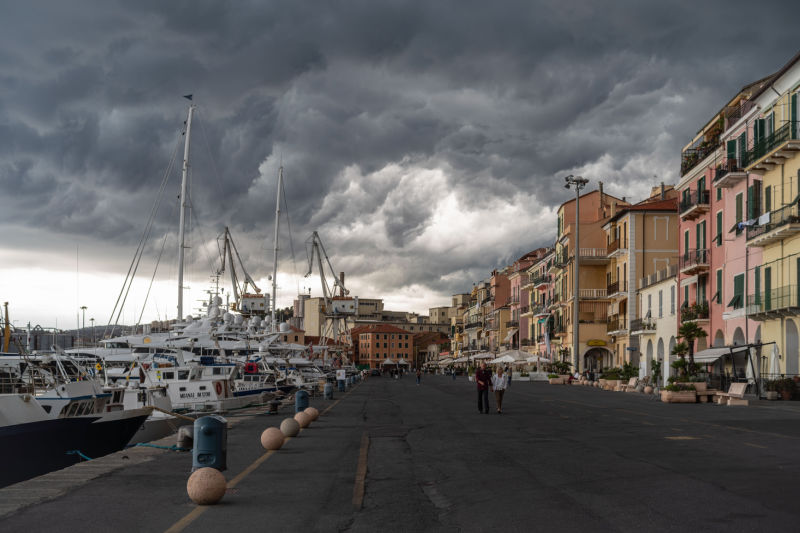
{"points": [[389, 362], [510, 335], [710, 355]]}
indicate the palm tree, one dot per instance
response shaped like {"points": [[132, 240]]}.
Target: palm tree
{"points": [[689, 331]]}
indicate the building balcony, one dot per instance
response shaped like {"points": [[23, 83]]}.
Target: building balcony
{"points": [[776, 303], [540, 310], [773, 150], [697, 312], [617, 325], [695, 204], [473, 325], [541, 282], [559, 261], [616, 290], [594, 294], [783, 223], [616, 248], [512, 324], [659, 276], [560, 330], [643, 326], [692, 156], [593, 256], [729, 173], [694, 261]]}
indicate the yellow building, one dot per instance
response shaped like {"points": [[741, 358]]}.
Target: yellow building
{"points": [[772, 287], [595, 208], [642, 239]]}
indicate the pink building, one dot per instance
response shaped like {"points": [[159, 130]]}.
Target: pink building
{"points": [[518, 326]]}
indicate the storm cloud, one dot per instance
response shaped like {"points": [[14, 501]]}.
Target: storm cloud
{"points": [[425, 141]]}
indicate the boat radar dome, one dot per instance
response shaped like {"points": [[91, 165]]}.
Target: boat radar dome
{"points": [[284, 327], [227, 318], [239, 320]]}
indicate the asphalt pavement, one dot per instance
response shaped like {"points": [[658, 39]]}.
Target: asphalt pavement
{"points": [[395, 456]]}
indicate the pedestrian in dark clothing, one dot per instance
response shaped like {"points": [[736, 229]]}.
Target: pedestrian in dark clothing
{"points": [[483, 379], [419, 376]]}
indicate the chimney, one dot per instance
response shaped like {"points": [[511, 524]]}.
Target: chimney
{"points": [[663, 193], [602, 201], [623, 198]]}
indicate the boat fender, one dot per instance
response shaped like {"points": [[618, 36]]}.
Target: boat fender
{"points": [[218, 387]]}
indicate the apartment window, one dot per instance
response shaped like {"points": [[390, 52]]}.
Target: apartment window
{"points": [[757, 279], [753, 200], [719, 193], [660, 304], [739, 211], [672, 300], [737, 302], [649, 305]]}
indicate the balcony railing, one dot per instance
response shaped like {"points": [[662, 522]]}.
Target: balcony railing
{"points": [[643, 324], [725, 169], [656, 277], [612, 247], [693, 260], [692, 156], [734, 113], [613, 287], [788, 131], [593, 253], [781, 301], [593, 294], [524, 309], [779, 219], [616, 323], [512, 324], [473, 325], [695, 199]]}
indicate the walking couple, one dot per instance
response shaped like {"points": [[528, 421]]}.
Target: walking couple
{"points": [[486, 381]]}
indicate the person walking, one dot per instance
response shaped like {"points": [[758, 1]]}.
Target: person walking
{"points": [[419, 376], [483, 379], [499, 385]]}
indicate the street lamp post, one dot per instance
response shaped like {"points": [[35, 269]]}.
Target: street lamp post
{"points": [[91, 320], [579, 183]]}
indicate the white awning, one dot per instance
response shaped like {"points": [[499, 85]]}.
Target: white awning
{"points": [[402, 361], [510, 335], [389, 362], [688, 281], [710, 355], [446, 361]]}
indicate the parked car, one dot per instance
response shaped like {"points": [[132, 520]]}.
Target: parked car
{"points": [[375, 372]]}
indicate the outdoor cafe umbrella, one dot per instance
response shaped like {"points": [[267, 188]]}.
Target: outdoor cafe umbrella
{"points": [[774, 367], [516, 354], [536, 359], [482, 355], [503, 359], [389, 362]]}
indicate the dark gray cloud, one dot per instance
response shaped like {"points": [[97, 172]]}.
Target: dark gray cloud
{"points": [[385, 116]]}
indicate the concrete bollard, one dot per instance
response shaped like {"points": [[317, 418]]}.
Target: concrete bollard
{"points": [[328, 391], [272, 439], [312, 412], [290, 427], [303, 418], [206, 486]]}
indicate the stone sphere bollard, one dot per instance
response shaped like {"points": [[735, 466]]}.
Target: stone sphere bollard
{"points": [[206, 486], [303, 418], [272, 439], [312, 412], [648, 390], [596, 383], [290, 427]]}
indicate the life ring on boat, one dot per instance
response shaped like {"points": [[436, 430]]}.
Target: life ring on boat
{"points": [[218, 387]]}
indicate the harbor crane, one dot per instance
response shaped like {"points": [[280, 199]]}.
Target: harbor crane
{"points": [[244, 301], [335, 312]]}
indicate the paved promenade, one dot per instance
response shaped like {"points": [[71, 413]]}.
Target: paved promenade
{"points": [[394, 456]]}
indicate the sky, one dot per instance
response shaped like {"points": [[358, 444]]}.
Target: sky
{"points": [[425, 141]]}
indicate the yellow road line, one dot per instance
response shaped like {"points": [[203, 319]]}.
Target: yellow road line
{"points": [[754, 445], [361, 472], [181, 524]]}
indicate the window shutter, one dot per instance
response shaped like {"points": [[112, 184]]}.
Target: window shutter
{"points": [[739, 207], [718, 238], [767, 199], [757, 279], [731, 150], [742, 147], [750, 202], [719, 286]]}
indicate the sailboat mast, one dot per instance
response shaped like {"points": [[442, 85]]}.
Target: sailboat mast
{"points": [[182, 230], [275, 257]]}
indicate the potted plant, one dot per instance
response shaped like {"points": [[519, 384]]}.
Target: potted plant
{"points": [[679, 393], [786, 388], [771, 387]]}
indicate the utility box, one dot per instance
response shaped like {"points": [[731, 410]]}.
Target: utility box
{"points": [[300, 401], [210, 443]]}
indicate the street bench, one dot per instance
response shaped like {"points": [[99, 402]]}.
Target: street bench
{"points": [[734, 396]]}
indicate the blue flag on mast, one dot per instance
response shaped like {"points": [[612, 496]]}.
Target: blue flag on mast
{"points": [[188, 96]]}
